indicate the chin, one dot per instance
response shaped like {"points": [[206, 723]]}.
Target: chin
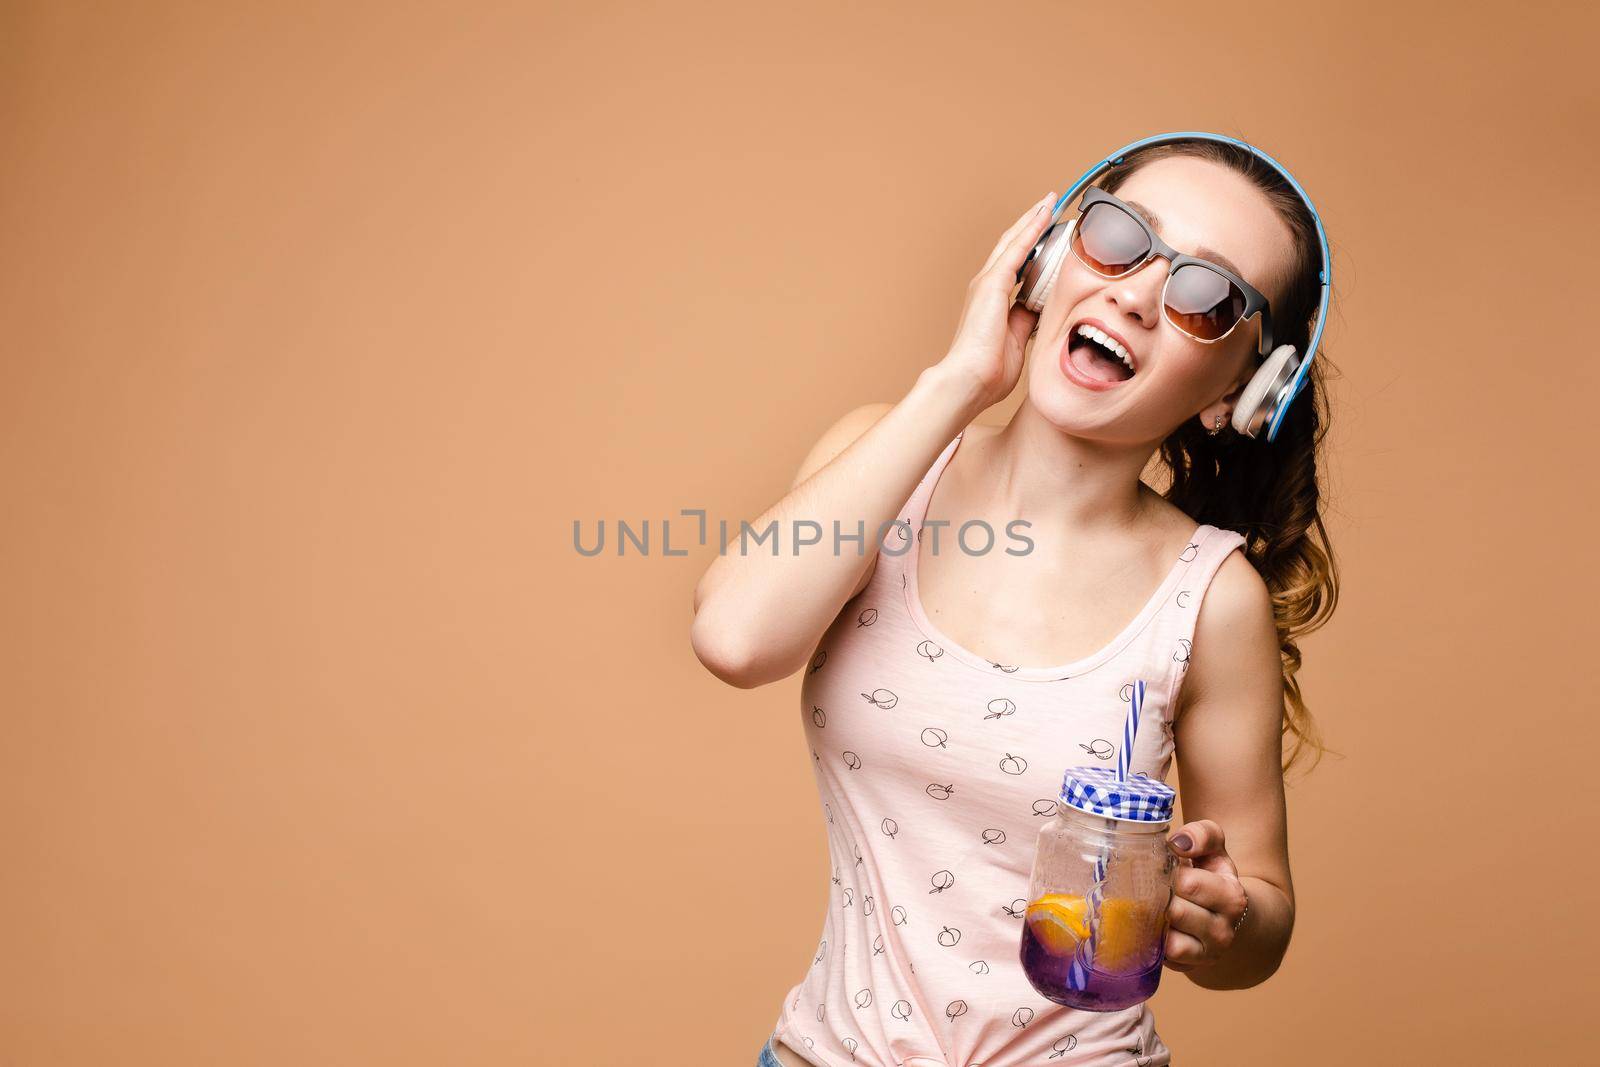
{"points": [[1057, 405], [1092, 416]]}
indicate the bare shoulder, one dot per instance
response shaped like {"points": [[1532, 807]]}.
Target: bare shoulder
{"points": [[1237, 599], [1236, 649], [1237, 594], [840, 436]]}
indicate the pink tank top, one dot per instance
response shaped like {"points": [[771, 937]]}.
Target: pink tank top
{"points": [[936, 768]]}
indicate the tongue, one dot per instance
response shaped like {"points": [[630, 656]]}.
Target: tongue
{"points": [[1089, 359]]}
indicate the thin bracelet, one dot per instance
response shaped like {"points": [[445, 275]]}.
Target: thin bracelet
{"points": [[1243, 913]]}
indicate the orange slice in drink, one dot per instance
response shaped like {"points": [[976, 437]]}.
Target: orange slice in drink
{"points": [[1129, 932], [1127, 929], [1059, 921]]}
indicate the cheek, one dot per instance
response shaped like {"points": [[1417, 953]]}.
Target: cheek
{"points": [[1192, 367], [1069, 291]]}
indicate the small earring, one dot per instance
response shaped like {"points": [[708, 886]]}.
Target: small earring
{"points": [[1216, 426]]}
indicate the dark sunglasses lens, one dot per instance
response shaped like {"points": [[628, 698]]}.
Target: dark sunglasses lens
{"points": [[1203, 303], [1109, 241]]}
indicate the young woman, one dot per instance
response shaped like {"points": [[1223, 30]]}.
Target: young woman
{"points": [[947, 686]]}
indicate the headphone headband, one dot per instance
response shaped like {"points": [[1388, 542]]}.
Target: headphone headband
{"points": [[1324, 275]]}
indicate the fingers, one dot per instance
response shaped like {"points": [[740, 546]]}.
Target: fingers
{"points": [[1029, 226], [1205, 906], [1202, 842], [1183, 953], [1017, 227], [1197, 838], [1207, 896], [1209, 890], [1196, 935], [1020, 324], [1168, 961]]}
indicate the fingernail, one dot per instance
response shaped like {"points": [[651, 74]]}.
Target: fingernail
{"points": [[1183, 842]]}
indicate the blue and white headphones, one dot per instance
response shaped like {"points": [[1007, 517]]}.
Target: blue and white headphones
{"points": [[1280, 378]]}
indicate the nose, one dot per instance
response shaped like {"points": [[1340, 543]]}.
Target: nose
{"points": [[1139, 293]]}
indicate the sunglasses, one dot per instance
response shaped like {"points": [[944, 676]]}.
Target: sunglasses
{"points": [[1202, 299]]}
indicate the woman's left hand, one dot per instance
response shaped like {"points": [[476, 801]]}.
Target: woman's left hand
{"points": [[1207, 898]]}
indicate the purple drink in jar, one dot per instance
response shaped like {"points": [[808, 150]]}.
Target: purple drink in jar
{"points": [[1094, 933]]}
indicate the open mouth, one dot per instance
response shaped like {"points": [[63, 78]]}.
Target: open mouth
{"points": [[1098, 355]]}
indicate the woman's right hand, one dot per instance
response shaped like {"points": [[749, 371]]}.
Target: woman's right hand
{"points": [[993, 332]]}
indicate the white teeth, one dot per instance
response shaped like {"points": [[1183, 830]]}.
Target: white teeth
{"points": [[1105, 339]]}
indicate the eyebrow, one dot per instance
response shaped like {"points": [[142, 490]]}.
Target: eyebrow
{"points": [[1202, 252]]}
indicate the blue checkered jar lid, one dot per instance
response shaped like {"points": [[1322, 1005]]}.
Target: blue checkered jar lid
{"points": [[1096, 791]]}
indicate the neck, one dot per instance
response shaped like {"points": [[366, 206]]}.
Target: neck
{"points": [[1032, 468]]}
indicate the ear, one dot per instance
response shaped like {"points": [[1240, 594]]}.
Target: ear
{"points": [[1223, 406]]}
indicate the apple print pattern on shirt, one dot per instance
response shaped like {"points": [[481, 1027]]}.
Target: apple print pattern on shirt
{"points": [[935, 767]]}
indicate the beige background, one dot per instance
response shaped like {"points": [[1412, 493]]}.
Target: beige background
{"points": [[322, 323]]}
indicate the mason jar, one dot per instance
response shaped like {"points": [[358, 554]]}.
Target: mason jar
{"points": [[1094, 933]]}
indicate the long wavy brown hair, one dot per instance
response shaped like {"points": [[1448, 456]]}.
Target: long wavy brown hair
{"points": [[1267, 492]]}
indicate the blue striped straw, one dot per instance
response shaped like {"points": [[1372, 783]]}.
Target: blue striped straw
{"points": [[1078, 972], [1130, 730]]}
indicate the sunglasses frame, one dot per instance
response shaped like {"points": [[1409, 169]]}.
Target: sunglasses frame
{"points": [[1254, 303]]}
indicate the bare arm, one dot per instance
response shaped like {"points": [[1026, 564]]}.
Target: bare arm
{"points": [[1229, 744], [758, 615]]}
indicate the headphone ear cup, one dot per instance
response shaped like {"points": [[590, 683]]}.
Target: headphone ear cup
{"points": [[1043, 265], [1254, 406]]}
